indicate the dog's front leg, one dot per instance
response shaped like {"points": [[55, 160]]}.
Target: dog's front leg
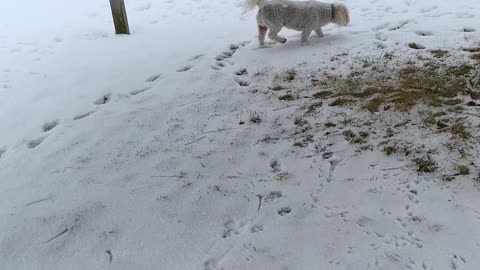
{"points": [[273, 35], [305, 35], [262, 32], [319, 32]]}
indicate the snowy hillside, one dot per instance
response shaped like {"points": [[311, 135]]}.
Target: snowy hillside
{"points": [[187, 146]]}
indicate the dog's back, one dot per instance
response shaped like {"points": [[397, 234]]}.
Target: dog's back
{"points": [[295, 15]]}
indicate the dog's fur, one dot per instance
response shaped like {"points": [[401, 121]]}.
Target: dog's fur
{"points": [[301, 16]]}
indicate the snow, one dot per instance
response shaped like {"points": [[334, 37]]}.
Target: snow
{"points": [[127, 152]]}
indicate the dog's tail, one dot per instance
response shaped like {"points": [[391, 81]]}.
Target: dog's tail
{"points": [[251, 4], [342, 16]]}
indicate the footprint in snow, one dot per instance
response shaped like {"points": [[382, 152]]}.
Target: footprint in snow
{"points": [[154, 78], [49, 125], [139, 91], [424, 33], [472, 49], [83, 115], [284, 211], [416, 46], [36, 142], [224, 55], [3, 150], [185, 68], [151, 79], [256, 228], [241, 72], [468, 29], [275, 166], [327, 155], [210, 264], [456, 261], [399, 25], [228, 53], [218, 66], [241, 82], [272, 196], [231, 229], [191, 59]]}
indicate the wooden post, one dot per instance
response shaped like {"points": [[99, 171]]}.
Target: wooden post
{"points": [[119, 16]]}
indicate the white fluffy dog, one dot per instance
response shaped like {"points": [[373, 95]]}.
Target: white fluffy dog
{"points": [[301, 16]]}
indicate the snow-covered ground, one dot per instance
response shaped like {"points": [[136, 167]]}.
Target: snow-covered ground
{"points": [[169, 149]]}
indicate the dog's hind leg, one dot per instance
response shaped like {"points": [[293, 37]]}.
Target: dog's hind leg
{"points": [[262, 31], [273, 35], [305, 35], [319, 32]]}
